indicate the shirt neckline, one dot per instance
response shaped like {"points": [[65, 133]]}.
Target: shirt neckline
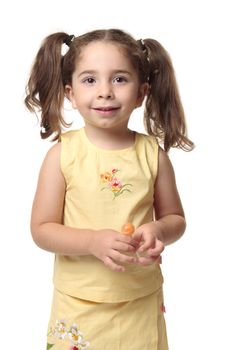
{"points": [[99, 149]]}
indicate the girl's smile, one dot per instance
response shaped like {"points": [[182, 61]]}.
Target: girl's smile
{"points": [[106, 111]]}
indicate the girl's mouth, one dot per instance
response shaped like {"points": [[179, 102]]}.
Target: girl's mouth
{"points": [[106, 110]]}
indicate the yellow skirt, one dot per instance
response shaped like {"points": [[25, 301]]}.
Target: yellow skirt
{"points": [[77, 324]]}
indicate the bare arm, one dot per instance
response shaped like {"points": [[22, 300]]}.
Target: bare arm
{"points": [[167, 204], [48, 230], [47, 212], [170, 222]]}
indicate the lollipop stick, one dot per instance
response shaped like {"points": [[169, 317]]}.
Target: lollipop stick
{"points": [[128, 229]]}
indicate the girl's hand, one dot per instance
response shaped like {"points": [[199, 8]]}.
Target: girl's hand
{"points": [[109, 246], [147, 241]]}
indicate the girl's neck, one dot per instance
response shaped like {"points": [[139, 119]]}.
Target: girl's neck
{"points": [[110, 139]]}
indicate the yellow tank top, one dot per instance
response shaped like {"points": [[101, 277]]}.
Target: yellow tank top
{"points": [[105, 189]]}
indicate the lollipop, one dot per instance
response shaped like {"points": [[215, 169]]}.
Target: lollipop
{"points": [[128, 229]]}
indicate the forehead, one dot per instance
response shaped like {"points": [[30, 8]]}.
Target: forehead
{"points": [[100, 54]]}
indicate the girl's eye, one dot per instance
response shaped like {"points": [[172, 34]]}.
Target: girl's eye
{"points": [[120, 80], [88, 80]]}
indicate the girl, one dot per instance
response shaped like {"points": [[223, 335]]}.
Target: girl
{"points": [[108, 285]]}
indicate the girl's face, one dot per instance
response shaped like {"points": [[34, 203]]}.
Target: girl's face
{"points": [[105, 87]]}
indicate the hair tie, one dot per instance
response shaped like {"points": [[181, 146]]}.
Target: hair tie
{"points": [[68, 40], [66, 44], [144, 48]]}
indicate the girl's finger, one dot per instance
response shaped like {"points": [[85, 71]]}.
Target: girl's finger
{"points": [[124, 247], [112, 265], [122, 258], [145, 261], [148, 243], [156, 251], [127, 240]]}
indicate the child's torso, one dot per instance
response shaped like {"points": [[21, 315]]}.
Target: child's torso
{"points": [[105, 189]]}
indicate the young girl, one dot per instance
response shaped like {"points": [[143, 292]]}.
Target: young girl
{"points": [[108, 285]]}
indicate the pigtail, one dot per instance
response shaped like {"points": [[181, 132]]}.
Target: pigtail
{"points": [[45, 88], [164, 114]]}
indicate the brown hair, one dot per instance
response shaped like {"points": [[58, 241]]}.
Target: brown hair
{"points": [[163, 116]]}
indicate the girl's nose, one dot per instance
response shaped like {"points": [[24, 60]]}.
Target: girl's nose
{"points": [[105, 91]]}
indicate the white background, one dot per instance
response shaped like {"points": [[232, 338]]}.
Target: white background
{"points": [[198, 268]]}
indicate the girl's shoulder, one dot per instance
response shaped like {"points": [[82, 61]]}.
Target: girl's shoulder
{"points": [[70, 135], [52, 156], [147, 144], [152, 147], [147, 139]]}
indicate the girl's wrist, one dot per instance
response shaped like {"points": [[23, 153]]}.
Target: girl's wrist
{"points": [[159, 229], [92, 242]]}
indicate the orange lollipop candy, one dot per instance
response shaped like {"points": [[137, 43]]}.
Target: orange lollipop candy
{"points": [[128, 229]]}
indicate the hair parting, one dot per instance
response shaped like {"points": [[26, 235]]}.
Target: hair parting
{"points": [[163, 116]]}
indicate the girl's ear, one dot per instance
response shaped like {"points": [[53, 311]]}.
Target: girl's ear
{"points": [[70, 95], [143, 91]]}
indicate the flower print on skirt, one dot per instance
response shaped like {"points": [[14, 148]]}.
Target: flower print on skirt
{"points": [[77, 324]]}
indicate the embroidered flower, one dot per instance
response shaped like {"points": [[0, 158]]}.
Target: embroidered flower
{"points": [[113, 183], [74, 334], [61, 332], [162, 308], [106, 177], [76, 337]]}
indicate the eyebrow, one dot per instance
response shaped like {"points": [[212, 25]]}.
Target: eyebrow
{"points": [[116, 71]]}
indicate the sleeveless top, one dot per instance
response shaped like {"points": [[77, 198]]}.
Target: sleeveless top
{"points": [[104, 190]]}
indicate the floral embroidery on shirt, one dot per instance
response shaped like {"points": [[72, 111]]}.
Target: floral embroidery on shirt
{"points": [[113, 183], [61, 331]]}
